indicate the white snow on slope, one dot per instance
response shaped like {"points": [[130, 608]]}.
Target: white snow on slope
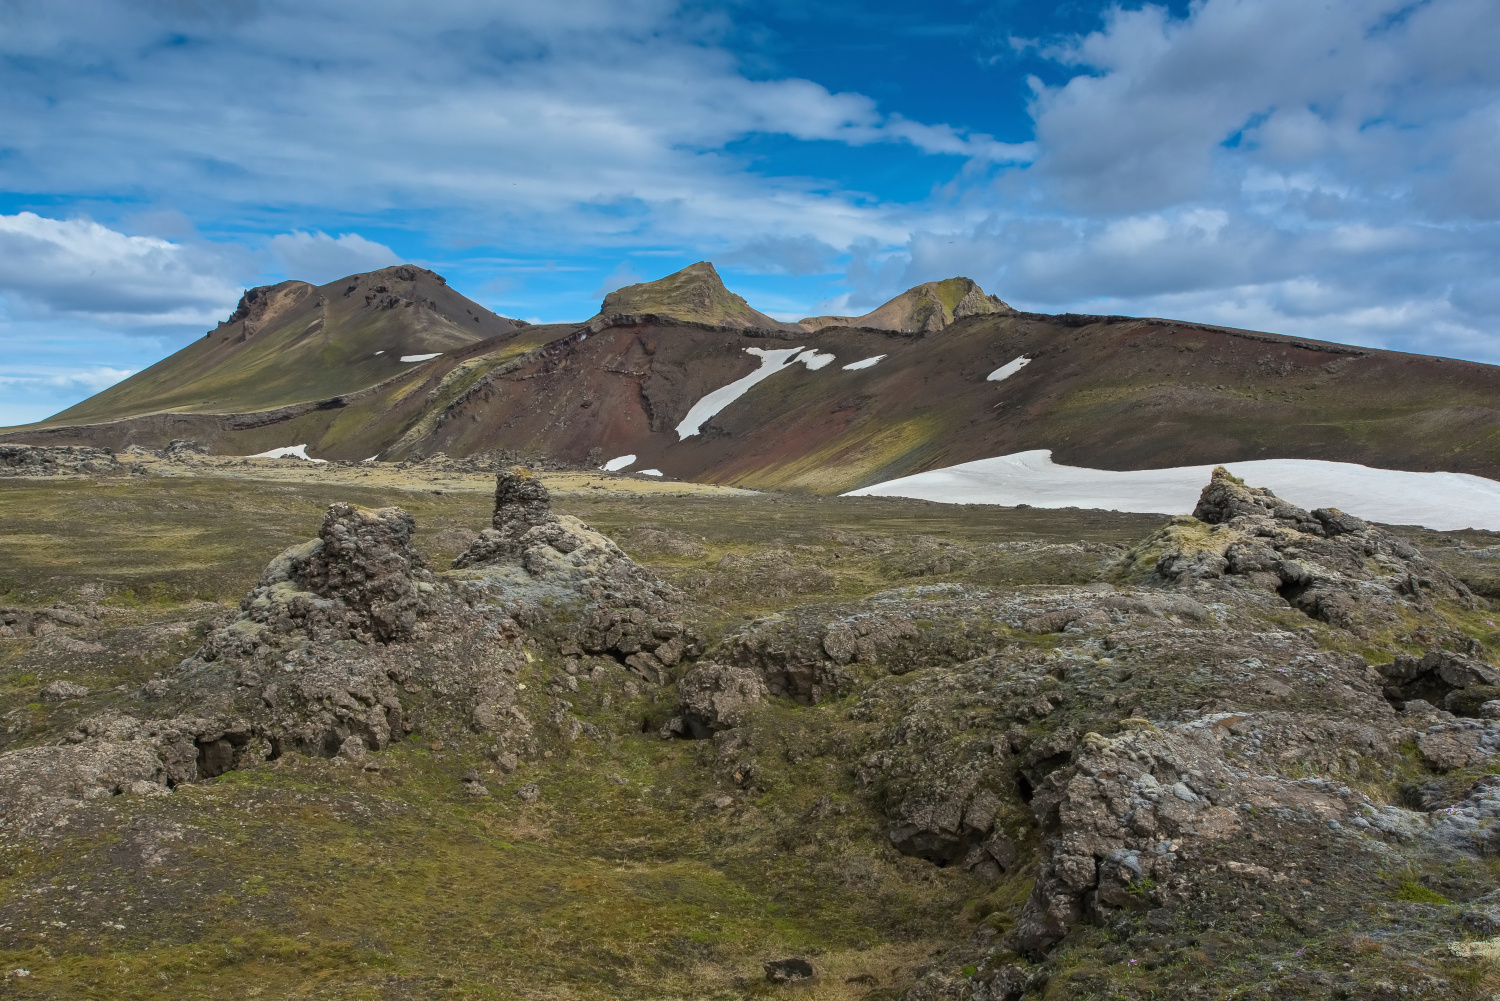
{"points": [[1009, 369], [1442, 501], [412, 358], [650, 472], [855, 366], [371, 458], [815, 359], [289, 452], [771, 362], [618, 463]]}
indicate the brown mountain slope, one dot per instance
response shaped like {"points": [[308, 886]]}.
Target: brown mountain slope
{"points": [[1107, 392], [295, 342], [921, 309]]}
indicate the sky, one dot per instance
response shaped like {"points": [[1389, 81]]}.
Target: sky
{"points": [[1325, 168]]}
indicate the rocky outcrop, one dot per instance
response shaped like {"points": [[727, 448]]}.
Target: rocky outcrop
{"points": [[535, 555], [56, 460], [115, 754], [717, 697], [359, 579], [1332, 566], [1440, 677]]}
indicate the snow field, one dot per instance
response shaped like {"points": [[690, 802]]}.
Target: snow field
{"points": [[1009, 369], [855, 366], [1441, 501], [771, 362], [287, 452], [412, 358], [618, 463]]}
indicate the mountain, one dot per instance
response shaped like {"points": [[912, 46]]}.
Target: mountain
{"points": [[924, 308], [682, 375], [695, 294], [294, 342]]}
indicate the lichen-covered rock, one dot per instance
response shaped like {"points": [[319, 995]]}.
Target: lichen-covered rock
{"points": [[537, 556], [717, 696], [1441, 678], [1330, 565], [360, 578], [58, 691], [56, 460], [114, 754]]}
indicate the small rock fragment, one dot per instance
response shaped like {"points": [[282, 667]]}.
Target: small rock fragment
{"points": [[788, 971]]}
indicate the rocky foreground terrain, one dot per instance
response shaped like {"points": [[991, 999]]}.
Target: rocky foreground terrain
{"points": [[1248, 753]]}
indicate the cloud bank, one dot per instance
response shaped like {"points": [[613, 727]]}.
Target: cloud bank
{"points": [[1330, 170]]}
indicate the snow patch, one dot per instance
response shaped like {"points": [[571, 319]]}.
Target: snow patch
{"points": [[815, 360], [771, 362], [1441, 501], [371, 458], [412, 358], [378, 353], [1009, 369], [289, 452], [855, 366], [618, 463], [650, 472]]}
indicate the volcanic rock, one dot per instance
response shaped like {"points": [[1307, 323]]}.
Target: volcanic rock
{"points": [[359, 579], [716, 697]]}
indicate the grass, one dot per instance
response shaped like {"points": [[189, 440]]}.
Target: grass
{"points": [[630, 877]]}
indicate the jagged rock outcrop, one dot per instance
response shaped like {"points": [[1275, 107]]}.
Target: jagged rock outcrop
{"points": [[359, 579], [114, 754], [716, 697], [1330, 565], [536, 555], [56, 460]]}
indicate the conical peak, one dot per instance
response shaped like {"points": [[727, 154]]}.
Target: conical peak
{"points": [[923, 308], [696, 294]]}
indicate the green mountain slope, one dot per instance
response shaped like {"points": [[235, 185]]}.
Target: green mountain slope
{"points": [[695, 294], [295, 342]]}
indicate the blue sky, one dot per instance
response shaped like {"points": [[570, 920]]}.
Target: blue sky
{"points": [[1330, 170]]}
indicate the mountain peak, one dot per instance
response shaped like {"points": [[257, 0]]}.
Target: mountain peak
{"points": [[923, 308], [696, 294]]}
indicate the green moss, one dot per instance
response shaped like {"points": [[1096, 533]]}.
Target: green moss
{"points": [[1412, 892]]}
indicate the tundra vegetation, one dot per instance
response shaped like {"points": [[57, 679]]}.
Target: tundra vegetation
{"points": [[465, 729]]}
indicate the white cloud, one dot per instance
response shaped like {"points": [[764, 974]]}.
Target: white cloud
{"points": [[1331, 170], [81, 268], [546, 122], [31, 394], [319, 258]]}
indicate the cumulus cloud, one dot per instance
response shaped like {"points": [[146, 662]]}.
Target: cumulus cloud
{"points": [[544, 121], [1326, 169], [319, 258], [786, 255], [79, 267], [1329, 170]]}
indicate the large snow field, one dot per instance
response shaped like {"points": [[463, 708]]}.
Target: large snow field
{"points": [[1442, 501], [618, 463], [771, 362], [287, 452]]}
